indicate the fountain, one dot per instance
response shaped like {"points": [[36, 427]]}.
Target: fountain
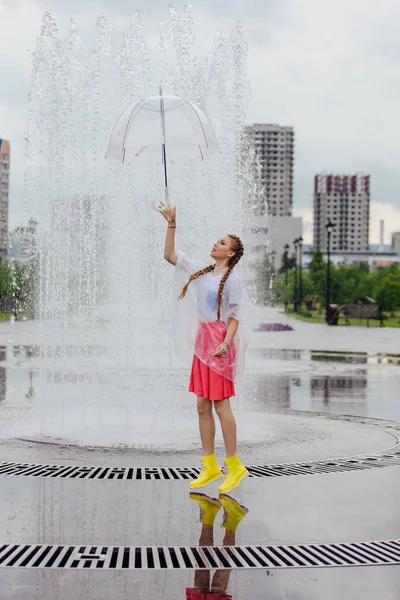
{"points": [[105, 368]]}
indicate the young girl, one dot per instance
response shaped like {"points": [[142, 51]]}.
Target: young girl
{"points": [[210, 321]]}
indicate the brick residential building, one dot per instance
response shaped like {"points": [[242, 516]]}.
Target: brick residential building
{"points": [[344, 199]]}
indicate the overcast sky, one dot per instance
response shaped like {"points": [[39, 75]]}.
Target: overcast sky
{"points": [[329, 68]]}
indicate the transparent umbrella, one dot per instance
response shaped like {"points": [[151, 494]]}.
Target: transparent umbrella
{"points": [[162, 126]]}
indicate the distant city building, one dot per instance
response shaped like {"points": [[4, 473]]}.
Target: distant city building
{"points": [[4, 191], [274, 148], [344, 199], [381, 235], [396, 242], [375, 257], [269, 235], [23, 242]]}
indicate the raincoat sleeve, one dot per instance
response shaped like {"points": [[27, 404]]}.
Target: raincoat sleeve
{"points": [[187, 265], [185, 321]]}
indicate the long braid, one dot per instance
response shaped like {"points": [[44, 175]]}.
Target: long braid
{"points": [[195, 276], [239, 251], [238, 248]]}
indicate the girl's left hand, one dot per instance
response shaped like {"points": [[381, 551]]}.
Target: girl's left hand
{"points": [[222, 350]]}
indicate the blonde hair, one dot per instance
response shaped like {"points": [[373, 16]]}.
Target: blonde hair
{"points": [[238, 248]]}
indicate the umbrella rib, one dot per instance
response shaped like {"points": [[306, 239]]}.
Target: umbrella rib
{"points": [[140, 151], [166, 109], [114, 128], [194, 131], [201, 124], [131, 117], [176, 105]]}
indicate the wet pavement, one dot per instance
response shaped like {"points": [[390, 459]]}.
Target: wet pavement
{"points": [[377, 583], [319, 336], [310, 404]]}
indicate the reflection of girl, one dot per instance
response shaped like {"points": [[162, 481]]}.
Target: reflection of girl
{"points": [[210, 324], [215, 589]]}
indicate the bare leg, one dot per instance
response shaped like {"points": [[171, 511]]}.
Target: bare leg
{"points": [[202, 578], [221, 577], [206, 425], [228, 425], [220, 581], [229, 539]]}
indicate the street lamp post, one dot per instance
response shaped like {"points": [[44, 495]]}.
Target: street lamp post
{"points": [[286, 254], [329, 226], [296, 292], [300, 271]]}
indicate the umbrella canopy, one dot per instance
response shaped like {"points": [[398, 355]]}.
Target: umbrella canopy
{"points": [[162, 127]]}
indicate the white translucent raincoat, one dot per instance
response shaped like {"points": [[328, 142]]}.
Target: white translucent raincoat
{"points": [[196, 330]]}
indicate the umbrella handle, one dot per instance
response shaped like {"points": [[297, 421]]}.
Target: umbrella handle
{"points": [[166, 201], [166, 195]]}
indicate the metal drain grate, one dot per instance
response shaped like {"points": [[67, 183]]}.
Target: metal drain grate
{"points": [[385, 552], [388, 459]]}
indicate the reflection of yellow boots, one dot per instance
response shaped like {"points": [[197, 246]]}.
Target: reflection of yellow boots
{"points": [[209, 472], [233, 512], [236, 472], [209, 507]]}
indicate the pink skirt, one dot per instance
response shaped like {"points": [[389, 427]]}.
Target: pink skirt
{"points": [[205, 381]]}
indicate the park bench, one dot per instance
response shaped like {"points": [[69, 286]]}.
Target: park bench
{"points": [[362, 311]]}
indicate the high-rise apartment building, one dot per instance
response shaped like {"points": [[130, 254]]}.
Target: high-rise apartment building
{"points": [[274, 147], [396, 242], [4, 189], [344, 199]]}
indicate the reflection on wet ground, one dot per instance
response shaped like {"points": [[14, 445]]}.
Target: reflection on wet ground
{"points": [[336, 382], [352, 382], [369, 358], [360, 392], [22, 352], [335, 507]]}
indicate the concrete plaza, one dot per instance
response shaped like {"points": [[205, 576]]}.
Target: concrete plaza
{"points": [[323, 518]]}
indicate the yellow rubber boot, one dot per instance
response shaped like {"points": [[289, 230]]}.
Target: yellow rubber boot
{"points": [[209, 472], [235, 473], [209, 507], [233, 512]]}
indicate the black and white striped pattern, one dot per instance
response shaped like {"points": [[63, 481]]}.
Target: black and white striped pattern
{"points": [[385, 552], [387, 459]]}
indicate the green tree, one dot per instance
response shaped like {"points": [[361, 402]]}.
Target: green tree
{"points": [[287, 262], [317, 263], [15, 288], [283, 288], [389, 293], [285, 293], [350, 283], [265, 273], [5, 284], [317, 272], [20, 288]]}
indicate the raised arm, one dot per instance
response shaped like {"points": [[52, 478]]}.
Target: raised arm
{"points": [[169, 214]]}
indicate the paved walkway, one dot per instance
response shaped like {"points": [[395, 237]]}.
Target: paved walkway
{"points": [[315, 336]]}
